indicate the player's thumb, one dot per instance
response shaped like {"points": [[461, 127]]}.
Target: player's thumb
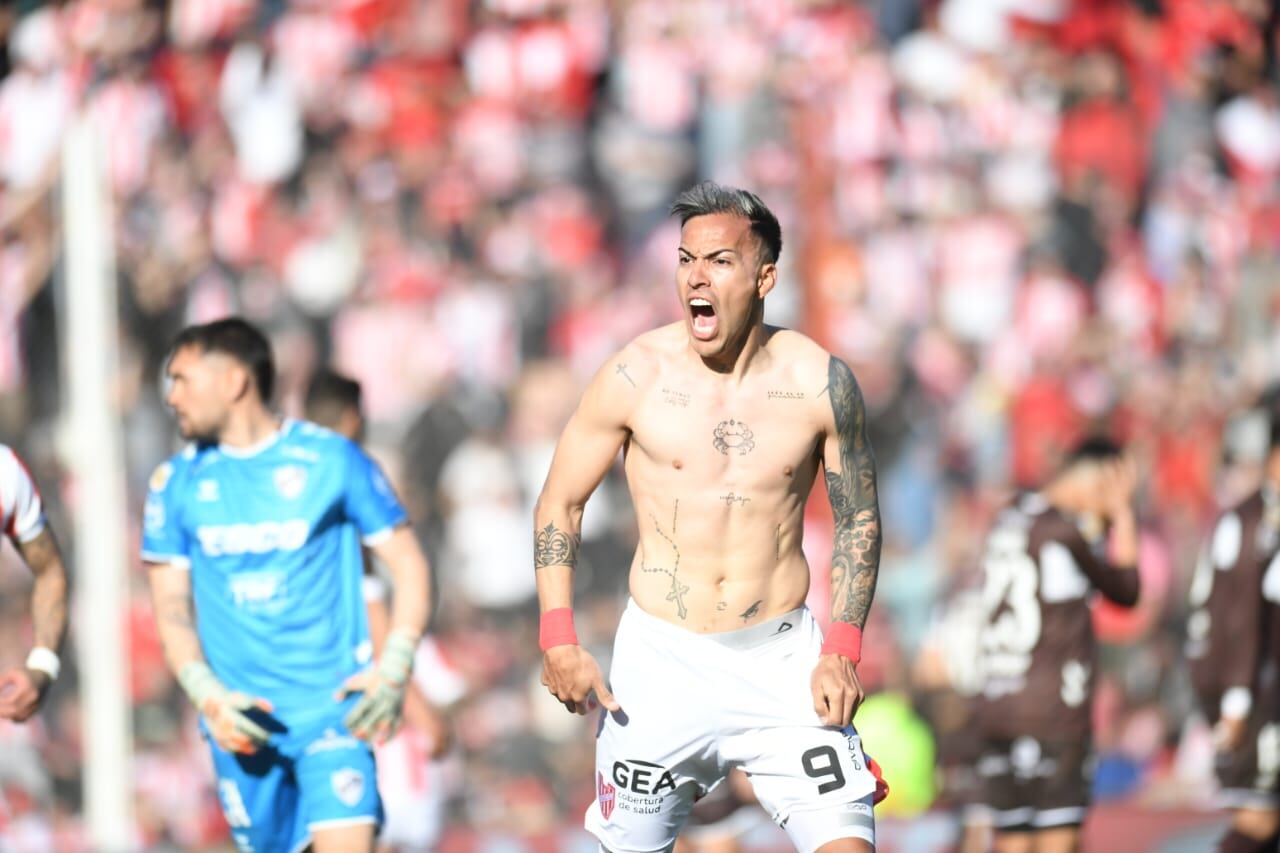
{"points": [[244, 702], [606, 697], [354, 684]]}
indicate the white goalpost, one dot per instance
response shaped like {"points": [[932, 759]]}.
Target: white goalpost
{"points": [[94, 456]]}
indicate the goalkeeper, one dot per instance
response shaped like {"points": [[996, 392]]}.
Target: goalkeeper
{"points": [[253, 535]]}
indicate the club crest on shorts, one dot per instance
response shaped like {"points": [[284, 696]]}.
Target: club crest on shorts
{"points": [[348, 785], [606, 795], [290, 481]]}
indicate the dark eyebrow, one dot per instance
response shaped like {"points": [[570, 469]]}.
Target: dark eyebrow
{"points": [[710, 254]]}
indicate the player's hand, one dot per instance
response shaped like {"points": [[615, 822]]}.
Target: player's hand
{"points": [[1228, 734], [1120, 483], [570, 673], [21, 691], [377, 714], [225, 710], [837, 693]]}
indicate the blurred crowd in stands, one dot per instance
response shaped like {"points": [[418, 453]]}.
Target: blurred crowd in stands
{"points": [[1018, 220]]}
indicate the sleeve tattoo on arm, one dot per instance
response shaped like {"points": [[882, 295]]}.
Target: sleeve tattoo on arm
{"points": [[851, 488], [555, 547], [177, 611]]}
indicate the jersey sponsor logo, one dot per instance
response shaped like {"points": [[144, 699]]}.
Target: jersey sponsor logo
{"points": [[256, 590], [348, 785], [219, 540], [641, 787], [160, 477], [290, 480], [207, 491], [606, 795], [642, 777]]}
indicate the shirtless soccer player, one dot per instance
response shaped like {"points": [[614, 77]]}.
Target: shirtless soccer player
{"points": [[723, 422]]}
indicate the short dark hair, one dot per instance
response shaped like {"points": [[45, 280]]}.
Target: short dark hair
{"points": [[709, 197], [235, 337], [1093, 448], [329, 393]]}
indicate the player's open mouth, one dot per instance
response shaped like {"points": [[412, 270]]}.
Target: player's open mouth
{"points": [[703, 319]]}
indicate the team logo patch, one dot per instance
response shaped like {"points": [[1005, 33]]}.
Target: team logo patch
{"points": [[160, 477], [290, 481], [348, 785], [606, 795]]}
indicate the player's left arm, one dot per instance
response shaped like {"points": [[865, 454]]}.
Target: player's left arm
{"points": [[22, 689], [410, 582], [850, 472], [371, 504]]}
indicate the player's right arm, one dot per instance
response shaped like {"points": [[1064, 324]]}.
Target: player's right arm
{"points": [[587, 448], [166, 550], [1233, 606], [22, 689], [1116, 576]]}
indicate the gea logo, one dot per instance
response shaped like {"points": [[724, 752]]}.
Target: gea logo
{"points": [[642, 777]]}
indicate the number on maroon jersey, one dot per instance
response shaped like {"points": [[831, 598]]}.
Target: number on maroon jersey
{"points": [[1012, 609]]}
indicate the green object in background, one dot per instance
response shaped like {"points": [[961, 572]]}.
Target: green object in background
{"points": [[902, 744]]}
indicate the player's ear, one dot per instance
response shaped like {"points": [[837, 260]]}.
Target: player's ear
{"points": [[766, 278], [237, 380]]}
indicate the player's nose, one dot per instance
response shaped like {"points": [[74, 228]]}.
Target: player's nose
{"points": [[698, 274]]}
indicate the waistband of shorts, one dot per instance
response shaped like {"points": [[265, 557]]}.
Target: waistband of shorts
{"points": [[741, 638]]}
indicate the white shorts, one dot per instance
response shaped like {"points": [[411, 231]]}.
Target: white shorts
{"points": [[696, 705], [414, 789]]}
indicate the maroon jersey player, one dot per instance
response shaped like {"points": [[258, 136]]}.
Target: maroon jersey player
{"points": [[1045, 556], [1234, 651]]}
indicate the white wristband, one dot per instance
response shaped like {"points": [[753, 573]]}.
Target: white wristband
{"points": [[46, 661], [1236, 703]]}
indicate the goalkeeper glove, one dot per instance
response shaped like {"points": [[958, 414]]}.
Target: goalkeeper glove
{"points": [[377, 714], [224, 709]]}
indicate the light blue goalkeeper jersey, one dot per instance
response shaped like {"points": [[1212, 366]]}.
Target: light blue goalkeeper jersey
{"points": [[272, 538]]}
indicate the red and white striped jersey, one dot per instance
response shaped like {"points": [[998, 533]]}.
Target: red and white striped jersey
{"points": [[20, 506]]}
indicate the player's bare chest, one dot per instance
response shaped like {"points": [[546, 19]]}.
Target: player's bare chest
{"points": [[745, 433]]}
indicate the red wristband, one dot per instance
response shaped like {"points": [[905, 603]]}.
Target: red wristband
{"points": [[556, 628], [844, 639]]}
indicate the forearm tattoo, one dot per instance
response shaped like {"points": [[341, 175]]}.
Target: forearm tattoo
{"points": [[851, 488], [555, 547]]}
